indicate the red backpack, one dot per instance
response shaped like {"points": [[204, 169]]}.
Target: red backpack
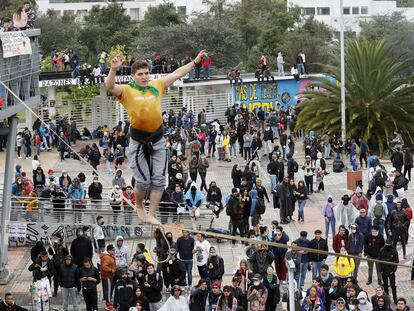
{"points": [[409, 212]]}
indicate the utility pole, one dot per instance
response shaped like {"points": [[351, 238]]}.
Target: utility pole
{"points": [[342, 39]]}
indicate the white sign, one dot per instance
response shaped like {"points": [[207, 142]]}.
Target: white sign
{"points": [[15, 43], [18, 230], [58, 82]]}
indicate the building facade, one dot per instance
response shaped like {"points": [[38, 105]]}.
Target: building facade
{"points": [[135, 8], [328, 11]]}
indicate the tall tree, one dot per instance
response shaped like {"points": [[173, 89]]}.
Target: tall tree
{"points": [[162, 15], [378, 100]]}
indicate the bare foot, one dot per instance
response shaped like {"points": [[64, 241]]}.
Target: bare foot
{"points": [[152, 220], [142, 214]]}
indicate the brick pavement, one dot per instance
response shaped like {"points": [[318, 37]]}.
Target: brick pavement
{"points": [[335, 184]]}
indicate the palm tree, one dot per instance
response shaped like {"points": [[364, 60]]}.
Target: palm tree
{"points": [[379, 100]]}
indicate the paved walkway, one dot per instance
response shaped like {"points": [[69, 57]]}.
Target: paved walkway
{"points": [[335, 184]]}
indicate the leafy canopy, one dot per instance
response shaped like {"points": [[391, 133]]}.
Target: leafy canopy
{"points": [[378, 100]]}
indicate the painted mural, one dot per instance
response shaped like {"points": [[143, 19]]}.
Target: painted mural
{"points": [[267, 94]]}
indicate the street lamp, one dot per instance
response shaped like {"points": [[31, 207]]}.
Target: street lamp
{"points": [[342, 39]]}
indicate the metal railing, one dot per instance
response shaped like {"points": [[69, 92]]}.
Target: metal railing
{"points": [[21, 75]]}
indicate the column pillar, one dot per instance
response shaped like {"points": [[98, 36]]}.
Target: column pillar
{"points": [[51, 98]]}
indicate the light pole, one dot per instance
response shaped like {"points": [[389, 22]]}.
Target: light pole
{"points": [[342, 39]]}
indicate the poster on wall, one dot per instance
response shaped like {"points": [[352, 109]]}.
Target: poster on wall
{"points": [[254, 95], [15, 43], [2, 97], [18, 230]]}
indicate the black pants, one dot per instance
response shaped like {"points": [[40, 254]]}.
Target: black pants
{"points": [[363, 156], [247, 152], [211, 148], [271, 306], [407, 169], [91, 299], [19, 149], [389, 280], [193, 177], [237, 224], [309, 183], [203, 181], [107, 289], [400, 234]]}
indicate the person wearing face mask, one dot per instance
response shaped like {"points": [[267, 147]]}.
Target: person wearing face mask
{"points": [[214, 196], [65, 181], [124, 292], [364, 303], [257, 294], [345, 213], [389, 253], [374, 242], [193, 199], [175, 270], [215, 266], [58, 200], [378, 212], [356, 246], [81, 248], [398, 227], [359, 200], [327, 211], [281, 237], [344, 266], [59, 252]]}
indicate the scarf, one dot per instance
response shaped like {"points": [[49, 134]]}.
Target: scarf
{"points": [[151, 88]]}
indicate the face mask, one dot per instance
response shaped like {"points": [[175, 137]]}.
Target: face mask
{"points": [[353, 230], [359, 195], [256, 283], [374, 233], [65, 175], [330, 200], [55, 241], [170, 262], [362, 301]]}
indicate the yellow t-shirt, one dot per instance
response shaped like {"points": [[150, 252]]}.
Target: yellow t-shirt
{"points": [[144, 110]]}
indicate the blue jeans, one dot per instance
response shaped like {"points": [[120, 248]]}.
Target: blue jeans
{"points": [[331, 222], [300, 276], [284, 152], [380, 224], [233, 151], [45, 145], [189, 268], [327, 151], [206, 72], [301, 214], [316, 268], [301, 69], [337, 155], [273, 182]]}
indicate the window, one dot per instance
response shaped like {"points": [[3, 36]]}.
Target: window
{"points": [[355, 10], [134, 13], [182, 10], [308, 11], [324, 11], [347, 11], [364, 10]]}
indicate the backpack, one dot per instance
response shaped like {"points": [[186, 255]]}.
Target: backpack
{"points": [[111, 157], [378, 210], [409, 212], [375, 162], [229, 209], [196, 147], [323, 164], [295, 166], [260, 206]]}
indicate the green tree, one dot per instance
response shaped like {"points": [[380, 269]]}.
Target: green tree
{"points": [[105, 27], [378, 100], [162, 15], [9, 7], [65, 37]]}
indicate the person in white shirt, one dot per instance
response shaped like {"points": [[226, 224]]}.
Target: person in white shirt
{"points": [[202, 249], [295, 73], [280, 62], [176, 302], [304, 62], [35, 163], [96, 72]]}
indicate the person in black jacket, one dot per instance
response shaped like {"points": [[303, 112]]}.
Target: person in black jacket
{"points": [[176, 269], [215, 266], [271, 282], [94, 157], [35, 251], [88, 276], [139, 297], [9, 305], [397, 159], [59, 253], [124, 293], [408, 163], [198, 297], [95, 193], [389, 253], [318, 243], [374, 242], [153, 287], [42, 267], [81, 248], [69, 282]]}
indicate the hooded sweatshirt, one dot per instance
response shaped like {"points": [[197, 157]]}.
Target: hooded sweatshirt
{"points": [[121, 254], [364, 304]]}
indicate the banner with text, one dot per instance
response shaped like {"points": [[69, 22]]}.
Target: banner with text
{"points": [[268, 94], [15, 43]]}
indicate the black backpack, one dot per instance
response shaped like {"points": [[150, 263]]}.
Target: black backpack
{"points": [[295, 166], [323, 164], [260, 206]]}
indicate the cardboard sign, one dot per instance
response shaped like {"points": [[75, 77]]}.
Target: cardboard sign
{"points": [[15, 43]]}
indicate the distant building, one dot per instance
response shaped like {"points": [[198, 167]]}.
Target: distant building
{"points": [[328, 11], [134, 8]]}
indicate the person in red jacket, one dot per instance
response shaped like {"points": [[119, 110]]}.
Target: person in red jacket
{"points": [[340, 240], [128, 210], [206, 63]]}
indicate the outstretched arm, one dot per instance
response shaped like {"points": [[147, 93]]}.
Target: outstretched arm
{"points": [[183, 70], [110, 85]]}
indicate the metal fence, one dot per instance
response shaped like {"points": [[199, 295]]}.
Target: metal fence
{"points": [[21, 75]]}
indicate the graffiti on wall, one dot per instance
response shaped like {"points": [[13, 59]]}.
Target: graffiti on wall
{"points": [[36, 232], [268, 94]]}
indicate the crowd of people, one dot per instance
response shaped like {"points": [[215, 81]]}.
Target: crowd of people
{"points": [[22, 19], [369, 225]]}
